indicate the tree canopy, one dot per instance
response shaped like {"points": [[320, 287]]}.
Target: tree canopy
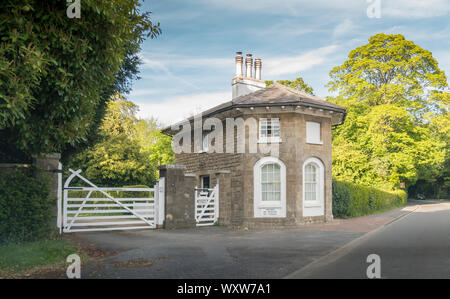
{"points": [[396, 128], [56, 72], [129, 150], [391, 70]]}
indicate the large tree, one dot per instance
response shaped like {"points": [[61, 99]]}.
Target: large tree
{"points": [[56, 72], [394, 91], [391, 70], [128, 150]]}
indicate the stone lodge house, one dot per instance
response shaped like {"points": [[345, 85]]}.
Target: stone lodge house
{"points": [[290, 187]]}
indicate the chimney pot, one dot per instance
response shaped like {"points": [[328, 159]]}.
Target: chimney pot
{"points": [[258, 66], [249, 66], [239, 64]]}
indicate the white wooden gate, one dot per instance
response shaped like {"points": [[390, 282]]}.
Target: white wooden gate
{"points": [[206, 206], [95, 208]]}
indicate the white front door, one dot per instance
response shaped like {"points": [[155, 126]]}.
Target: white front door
{"points": [[313, 188]]}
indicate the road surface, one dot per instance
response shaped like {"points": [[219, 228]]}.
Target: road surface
{"points": [[414, 246]]}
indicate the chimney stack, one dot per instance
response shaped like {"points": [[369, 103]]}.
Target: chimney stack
{"points": [[239, 64], [249, 66], [258, 68], [243, 84]]}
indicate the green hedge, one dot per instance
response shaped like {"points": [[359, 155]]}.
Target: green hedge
{"points": [[25, 207], [352, 200]]}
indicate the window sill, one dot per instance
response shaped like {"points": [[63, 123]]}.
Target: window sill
{"points": [[269, 204], [270, 140], [316, 143], [312, 205]]}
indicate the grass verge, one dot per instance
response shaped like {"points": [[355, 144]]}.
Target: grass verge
{"points": [[25, 258]]}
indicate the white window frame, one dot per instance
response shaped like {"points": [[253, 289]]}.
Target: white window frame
{"points": [[268, 209], [312, 139], [268, 139], [317, 204]]}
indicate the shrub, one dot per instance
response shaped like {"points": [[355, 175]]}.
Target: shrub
{"points": [[341, 199], [351, 200], [25, 207]]}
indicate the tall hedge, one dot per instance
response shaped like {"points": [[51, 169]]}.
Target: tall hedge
{"points": [[352, 200], [25, 207]]}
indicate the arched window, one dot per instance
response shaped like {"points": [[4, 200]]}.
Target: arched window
{"points": [[313, 187], [311, 181], [269, 188]]}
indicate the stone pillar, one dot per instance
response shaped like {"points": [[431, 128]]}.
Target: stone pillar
{"points": [[223, 179], [179, 196], [47, 166]]}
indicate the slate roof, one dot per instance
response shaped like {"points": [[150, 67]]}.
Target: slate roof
{"points": [[273, 95]]}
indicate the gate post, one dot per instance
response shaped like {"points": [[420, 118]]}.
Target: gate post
{"points": [[48, 168], [159, 203], [59, 198], [224, 193], [179, 210]]}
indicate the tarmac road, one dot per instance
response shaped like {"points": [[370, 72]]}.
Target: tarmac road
{"points": [[414, 246]]}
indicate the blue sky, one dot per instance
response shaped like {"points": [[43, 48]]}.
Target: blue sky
{"points": [[190, 66]]}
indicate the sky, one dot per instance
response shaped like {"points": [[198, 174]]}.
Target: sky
{"points": [[189, 67]]}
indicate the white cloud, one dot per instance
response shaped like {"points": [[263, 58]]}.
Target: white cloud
{"points": [[143, 92], [415, 8], [293, 64], [343, 28], [167, 61], [420, 34], [175, 109]]}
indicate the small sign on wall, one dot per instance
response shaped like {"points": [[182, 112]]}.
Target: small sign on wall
{"points": [[270, 212], [402, 185]]}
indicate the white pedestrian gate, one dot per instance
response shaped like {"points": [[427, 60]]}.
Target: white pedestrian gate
{"points": [[206, 206], [95, 208]]}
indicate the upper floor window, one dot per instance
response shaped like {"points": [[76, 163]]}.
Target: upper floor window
{"points": [[269, 130], [313, 133]]}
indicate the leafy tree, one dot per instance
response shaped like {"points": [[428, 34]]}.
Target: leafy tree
{"points": [[391, 70], [157, 146], [129, 151], [116, 161], [297, 84], [395, 98], [117, 158], [120, 118], [56, 73]]}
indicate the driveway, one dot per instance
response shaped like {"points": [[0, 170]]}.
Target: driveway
{"points": [[217, 252]]}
